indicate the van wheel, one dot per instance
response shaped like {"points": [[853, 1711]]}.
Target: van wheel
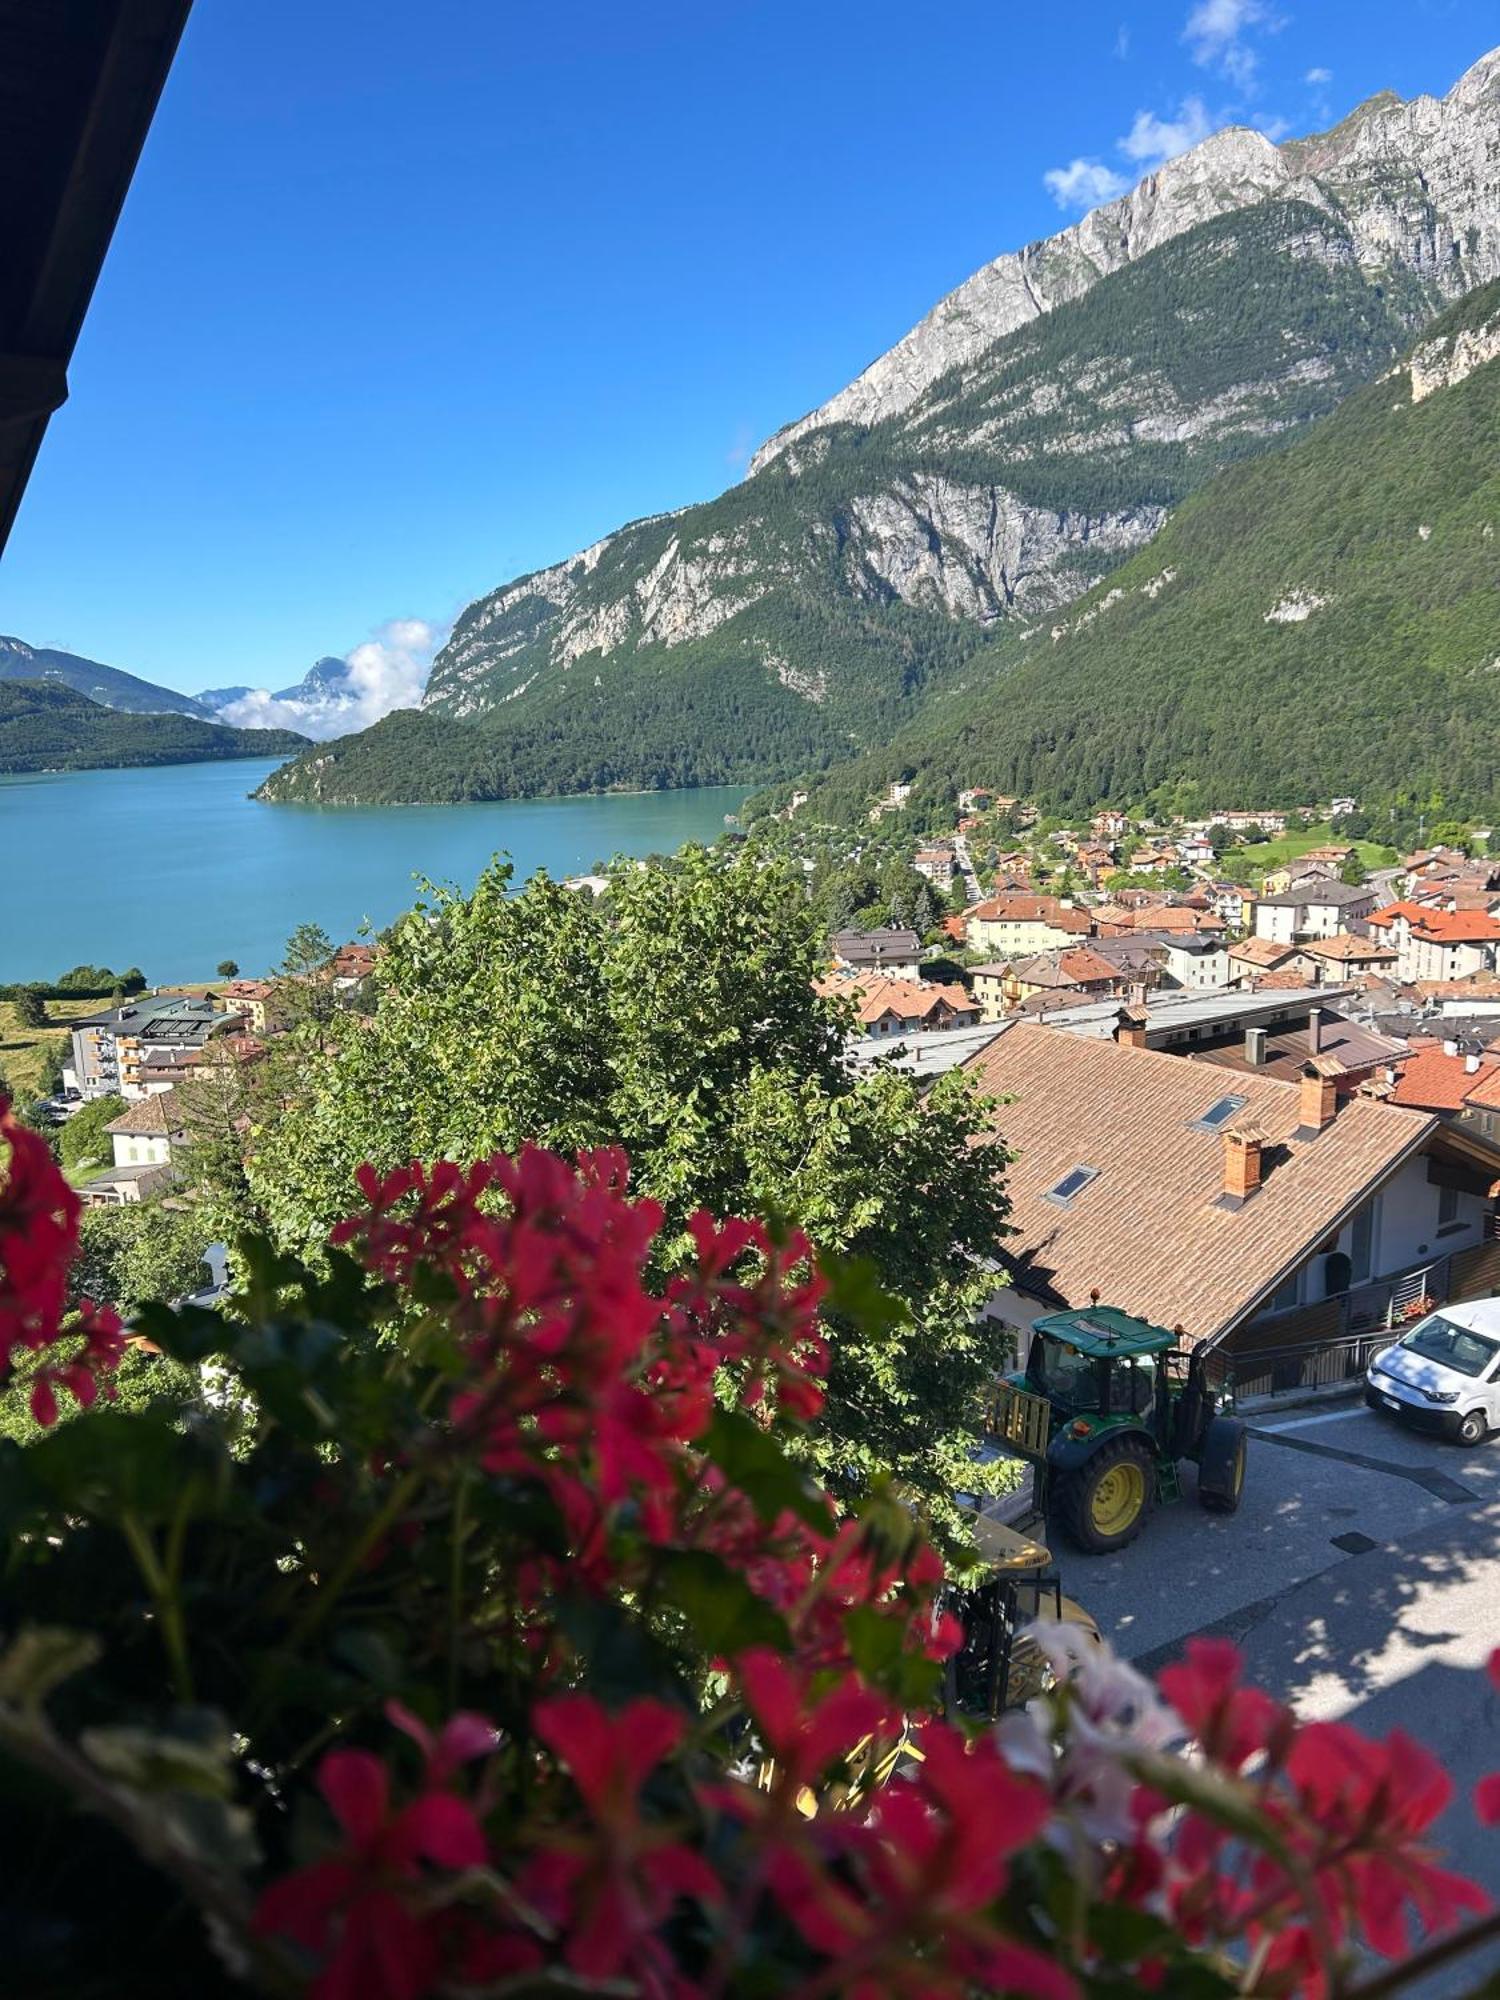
{"points": [[1472, 1428]]}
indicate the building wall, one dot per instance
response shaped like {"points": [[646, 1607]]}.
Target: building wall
{"points": [[1011, 939], [1276, 921], [1405, 1232]]}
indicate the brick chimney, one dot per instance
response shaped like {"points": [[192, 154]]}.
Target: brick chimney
{"points": [[1130, 1027], [1242, 1150], [1318, 1103]]}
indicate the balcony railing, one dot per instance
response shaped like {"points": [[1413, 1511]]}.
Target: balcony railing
{"points": [[1330, 1343]]}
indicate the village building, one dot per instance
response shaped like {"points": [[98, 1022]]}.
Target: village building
{"points": [[1020, 926], [885, 1008], [1075, 971], [1347, 955], [937, 863], [144, 1138], [1316, 908], [113, 1050], [896, 953], [1244, 1209]]}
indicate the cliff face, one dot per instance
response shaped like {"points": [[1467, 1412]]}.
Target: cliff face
{"points": [[1037, 428], [1416, 182]]}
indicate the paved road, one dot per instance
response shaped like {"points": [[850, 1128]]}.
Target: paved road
{"points": [[1361, 1577]]}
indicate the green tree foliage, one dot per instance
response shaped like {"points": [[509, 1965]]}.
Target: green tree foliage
{"points": [[227, 969], [140, 1251], [84, 1138], [31, 1007], [305, 997], [47, 727], [678, 1021]]}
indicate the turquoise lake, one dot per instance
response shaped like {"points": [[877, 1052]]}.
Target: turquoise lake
{"points": [[174, 869]]}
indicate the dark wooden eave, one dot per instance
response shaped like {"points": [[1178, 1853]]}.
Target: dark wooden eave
{"points": [[79, 84]]}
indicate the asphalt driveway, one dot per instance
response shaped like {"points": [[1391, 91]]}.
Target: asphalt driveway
{"points": [[1361, 1577]]}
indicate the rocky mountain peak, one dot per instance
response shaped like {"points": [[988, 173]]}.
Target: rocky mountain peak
{"points": [[1414, 178]]}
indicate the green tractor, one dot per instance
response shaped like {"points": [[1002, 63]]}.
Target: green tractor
{"points": [[1106, 1408]]}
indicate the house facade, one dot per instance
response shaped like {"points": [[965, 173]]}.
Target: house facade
{"points": [[1315, 908], [896, 953], [1021, 926]]}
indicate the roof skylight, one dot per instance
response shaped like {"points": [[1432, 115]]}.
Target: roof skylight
{"points": [[1072, 1185], [1219, 1114]]}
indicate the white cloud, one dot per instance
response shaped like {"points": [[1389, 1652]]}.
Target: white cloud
{"points": [[1152, 140], [1319, 76], [1122, 43], [1084, 184], [1217, 34], [388, 671]]}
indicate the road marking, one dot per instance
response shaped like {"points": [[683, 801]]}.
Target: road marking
{"points": [[1438, 1484], [1303, 1423]]}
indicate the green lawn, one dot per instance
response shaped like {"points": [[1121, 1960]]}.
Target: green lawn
{"points": [[1249, 864], [22, 1049]]}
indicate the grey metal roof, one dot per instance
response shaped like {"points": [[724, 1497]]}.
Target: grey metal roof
{"points": [[1217, 1011], [1333, 894]]}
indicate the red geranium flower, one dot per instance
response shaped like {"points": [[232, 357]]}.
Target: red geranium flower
{"points": [[355, 1908]]}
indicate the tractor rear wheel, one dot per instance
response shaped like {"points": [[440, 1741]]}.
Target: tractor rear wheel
{"points": [[1104, 1504], [1221, 1467]]}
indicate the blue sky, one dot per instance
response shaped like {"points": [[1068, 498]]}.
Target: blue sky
{"points": [[407, 300]]}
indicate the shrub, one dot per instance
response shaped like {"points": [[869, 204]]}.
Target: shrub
{"points": [[484, 1639]]}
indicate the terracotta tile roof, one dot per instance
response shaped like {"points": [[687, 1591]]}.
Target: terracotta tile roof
{"points": [[1070, 965], [1478, 986], [1348, 949], [875, 996], [1433, 1081], [1456, 927], [1284, 978], [1261, 951], [155, 1117], [1149, 1231], [1486, 1091], [1031, 910], [1393, 912]]}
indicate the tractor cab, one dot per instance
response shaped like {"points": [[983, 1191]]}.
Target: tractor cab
{"points": [[999, 1664], [1106, 1407], [1099, 1364]]}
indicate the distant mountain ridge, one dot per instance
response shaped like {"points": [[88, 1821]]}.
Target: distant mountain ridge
{"points": [[108, 685], [326, 676], [47, 726], [1037, 429]]}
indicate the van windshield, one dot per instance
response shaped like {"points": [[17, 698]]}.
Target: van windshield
{"points": [[1456, 1347]]}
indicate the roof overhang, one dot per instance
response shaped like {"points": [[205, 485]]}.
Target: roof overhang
{"points": [[79, 84]]}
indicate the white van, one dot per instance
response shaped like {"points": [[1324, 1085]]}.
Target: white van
{"points": [[1444, 1375]]}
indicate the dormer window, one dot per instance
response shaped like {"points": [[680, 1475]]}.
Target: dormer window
{"points": [[1072, 1185], [1219, 1114]]}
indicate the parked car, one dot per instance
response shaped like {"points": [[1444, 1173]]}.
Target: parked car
{"points": [[1444, 1375]]}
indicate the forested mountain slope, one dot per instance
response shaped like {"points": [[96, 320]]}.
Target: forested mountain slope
{"points": [[1004, 462], [108, 685], [1323, 620], [48, 727]]}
